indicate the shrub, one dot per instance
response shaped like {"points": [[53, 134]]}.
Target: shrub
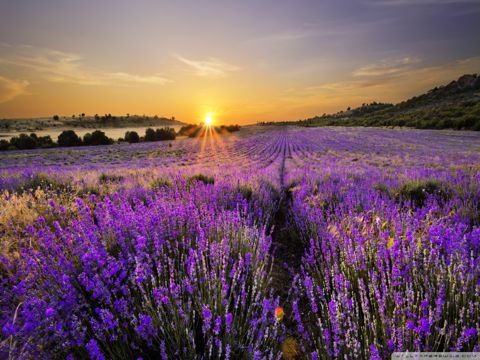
{"points": [[97, 138], [165, 134], [24, 141], [44, 182], [132, 137], [4, 145], [160, 183], [383, 189], [189, 130], [159, 134], [69, 138], [45, 142], [246, 191], [202, 178], [150, 135], [418, 191], [110, 178]]}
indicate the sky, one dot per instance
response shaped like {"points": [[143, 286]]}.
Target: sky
{"points": [[243, 61]]}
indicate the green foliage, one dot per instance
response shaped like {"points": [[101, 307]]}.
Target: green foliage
{"points": [[69, 138], [201, 178], [109, 178], [229, 128], [383, 189], [418, 191], [199, 130], [160, 183], [189, 130], [132, 137], [45, 142], [23, 141], [4, 145], [246, 192], [45, 182], [160, 134], [97, 138]]}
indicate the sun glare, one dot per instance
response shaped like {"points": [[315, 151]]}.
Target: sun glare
{"points": [[209, 119]]}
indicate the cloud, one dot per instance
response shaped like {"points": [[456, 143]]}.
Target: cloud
{"points": [[387, 67], [212, 67], [353, 91], [59, 66], [307, 31], [10, 88], [408, 80], [144, 79]]}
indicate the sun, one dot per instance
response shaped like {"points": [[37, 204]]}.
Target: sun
{"points": [[209, 119]]}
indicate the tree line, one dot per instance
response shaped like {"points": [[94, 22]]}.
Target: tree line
{"points": [[69, 138], [199, 130]]}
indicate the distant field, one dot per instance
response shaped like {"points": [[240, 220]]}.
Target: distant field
{"points": [[318, 242]]}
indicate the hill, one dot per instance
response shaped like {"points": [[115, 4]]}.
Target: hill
{"points": [[83, 121], [452, 106]]}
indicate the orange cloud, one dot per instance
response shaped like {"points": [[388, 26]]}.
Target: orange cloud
{"points": [[211, 67], [59, 66], [11, 88]]}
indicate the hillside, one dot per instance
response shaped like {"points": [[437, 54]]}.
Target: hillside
{"points": [[452, 106], [82, 121]]}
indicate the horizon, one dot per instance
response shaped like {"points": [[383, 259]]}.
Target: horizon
{"points": [[218, 122], [246, 62]]}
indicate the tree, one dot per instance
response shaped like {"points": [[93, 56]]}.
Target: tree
{"points": [[69, 138], [165, 134], [132, 137], [55, 117], [45, 142], [4, 145], [150, 135], [97, 138], [24, 141]]}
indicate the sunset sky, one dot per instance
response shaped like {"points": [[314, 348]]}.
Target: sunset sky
{"points": [[244, 61]]}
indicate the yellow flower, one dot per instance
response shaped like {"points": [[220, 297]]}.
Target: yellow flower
{"points": [[390, 243]]}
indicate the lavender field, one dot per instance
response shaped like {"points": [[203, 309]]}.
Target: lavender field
{"points": [[274, 242]]}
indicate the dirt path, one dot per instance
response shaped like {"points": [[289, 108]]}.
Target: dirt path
{"points": [[287, 248]]}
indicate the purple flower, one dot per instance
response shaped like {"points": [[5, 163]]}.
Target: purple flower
{"points": [[145, 328], [207, 318], [424, 326], [228, 321], [218, 325], [94, 350], [374, 354], [470, 333], [163, 351]]}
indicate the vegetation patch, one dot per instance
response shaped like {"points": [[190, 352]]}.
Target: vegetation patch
{"points": [[207, 180]]}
